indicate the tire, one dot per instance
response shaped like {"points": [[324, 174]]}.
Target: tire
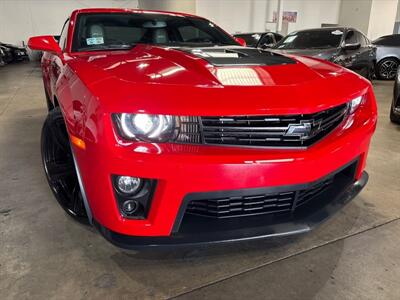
{"points": [[387, 68], [371, 73], [49, 104], [58, 163], [395, 118]]}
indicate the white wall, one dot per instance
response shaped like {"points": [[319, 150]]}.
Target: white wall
{"points": [[20, 19], [355, 13], [187, 6], [252, 15], [312, 13], [234, 16], [382, 18]]}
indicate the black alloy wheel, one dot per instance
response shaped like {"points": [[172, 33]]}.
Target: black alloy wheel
{"points": [[387, 68], [59, 166]]}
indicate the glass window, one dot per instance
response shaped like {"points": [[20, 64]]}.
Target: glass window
{"points": [[62, 42], [278, 37], [267, 39], [352, 37], [107, 31], [316, 39], [388, 40]]}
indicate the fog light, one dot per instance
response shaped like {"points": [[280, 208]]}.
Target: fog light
{"points": [[128, 185], [130, 206]]}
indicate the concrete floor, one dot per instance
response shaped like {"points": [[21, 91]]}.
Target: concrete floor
{"points": [[44, 254]]}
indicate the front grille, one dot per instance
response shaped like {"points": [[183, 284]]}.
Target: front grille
{"points": [[271, 131], [249, 205]]}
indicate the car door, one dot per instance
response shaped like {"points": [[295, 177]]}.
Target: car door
{"points": [[352, 56], [364, 55]]}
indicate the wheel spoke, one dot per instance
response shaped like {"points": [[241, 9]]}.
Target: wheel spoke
{"points": [[59, 135], [59, 170]]}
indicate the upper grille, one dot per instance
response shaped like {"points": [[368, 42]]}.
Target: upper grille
{"points": [[271, 131]]}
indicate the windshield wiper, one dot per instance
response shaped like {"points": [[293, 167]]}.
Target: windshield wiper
{"points": [[108, 47]]}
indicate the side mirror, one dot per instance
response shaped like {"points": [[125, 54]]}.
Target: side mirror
{"points": [[44, 43], [354, 46], [241, 41]]}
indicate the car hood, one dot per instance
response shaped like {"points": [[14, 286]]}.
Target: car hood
{"points": [[318, 53], [212, 81]]}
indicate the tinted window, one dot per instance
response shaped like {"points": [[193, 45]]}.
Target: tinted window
{"points": [[124, 30], [267, 39], [191, 34], [278, 37], [251, 39], [62, 42], [354, 37], [389, 40], [329, 38], [351, 37]]}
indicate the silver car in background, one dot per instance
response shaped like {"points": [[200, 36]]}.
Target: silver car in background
{"points": [[387, 56]]}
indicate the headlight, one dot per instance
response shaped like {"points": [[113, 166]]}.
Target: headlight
{"points": [[355, 103], [145, 127]]}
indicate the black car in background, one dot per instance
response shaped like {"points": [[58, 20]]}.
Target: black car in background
{"points": [[345, 46], [6, 55], [2, 57], [260, 39], [17, 53]]}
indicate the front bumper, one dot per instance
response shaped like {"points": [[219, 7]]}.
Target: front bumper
{"points": [[184, 170], [323, 207]]}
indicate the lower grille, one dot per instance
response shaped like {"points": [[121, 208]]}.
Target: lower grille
{"points": [[257, 204], [240, 206]]}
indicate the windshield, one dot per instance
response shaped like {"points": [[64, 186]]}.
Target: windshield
{"points": [[108, 31], [314, 39]]}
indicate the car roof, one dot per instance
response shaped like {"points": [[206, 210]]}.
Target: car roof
{"points": [[130, 10], [327, 28], [389, 35], [250, 33]]}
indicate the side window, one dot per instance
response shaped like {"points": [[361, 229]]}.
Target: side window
{"points": [[278, 37], [361, 39], [192, 34], [351, 37], [393, 40], [63, 37], [266, 39]]}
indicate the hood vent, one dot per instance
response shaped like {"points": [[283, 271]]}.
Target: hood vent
{"points": [[239, 56]]}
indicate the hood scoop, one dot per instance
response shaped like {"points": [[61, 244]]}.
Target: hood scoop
{"points": [[239, 56]]}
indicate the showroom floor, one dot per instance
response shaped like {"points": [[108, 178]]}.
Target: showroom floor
{"points": [[44, 254]]}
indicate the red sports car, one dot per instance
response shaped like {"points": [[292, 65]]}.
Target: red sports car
{"points": [[163, 129]]}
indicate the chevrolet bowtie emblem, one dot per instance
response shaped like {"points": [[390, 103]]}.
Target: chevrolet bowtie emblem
{"points": [[303, 130]]}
